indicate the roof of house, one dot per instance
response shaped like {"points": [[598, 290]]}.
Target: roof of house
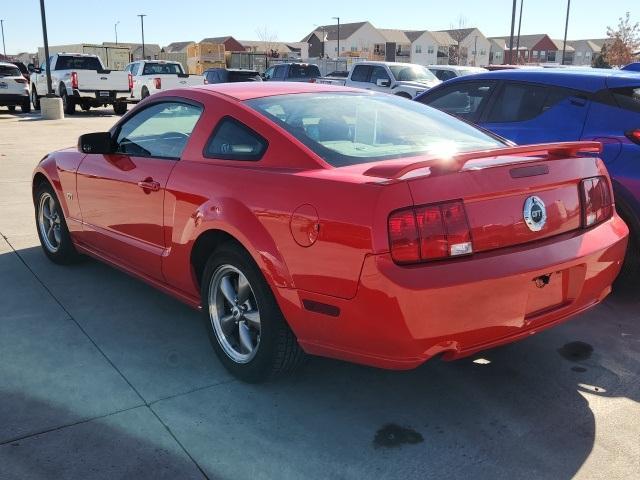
{"points": [[560, 45], [413, 35], [395, 36], [527, 41], [346, 30], [217, 39], [458, 33], [443, 38], [175, 47], [281, 47]]}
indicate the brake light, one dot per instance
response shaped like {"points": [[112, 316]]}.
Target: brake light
{"points": [[429, 232], [74, 80], [130, 82], [206, 82], [597, 204], [312, 80], [157, 83], [21, 80], [634, 135]]}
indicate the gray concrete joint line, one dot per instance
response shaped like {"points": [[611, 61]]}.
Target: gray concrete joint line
{"points": [[113, 365]]}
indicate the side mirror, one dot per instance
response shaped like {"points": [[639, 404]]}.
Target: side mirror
{"points": [[383, 83], [96, 143]]}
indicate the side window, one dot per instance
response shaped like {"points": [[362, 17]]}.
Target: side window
{"points": [[518, 103], [268, 75], [446, 75], [161, 130], [280, 72], [465, 100], [232, 140], [360, 73], [379, 73], [627, 98]]}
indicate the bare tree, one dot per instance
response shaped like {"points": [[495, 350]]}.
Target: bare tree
{"points": [[458, 53], [269, 40], [623, 42]]}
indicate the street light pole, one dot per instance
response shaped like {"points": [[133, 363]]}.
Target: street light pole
{"points": [[513, 24], [46, 48], [142, 28], [4, 49], [115, 27], [338, 19], [566, 28], [519, 25]]}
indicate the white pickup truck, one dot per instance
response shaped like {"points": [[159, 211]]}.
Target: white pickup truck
{"points": [[81, 79], [153, 76], [403, 79]]}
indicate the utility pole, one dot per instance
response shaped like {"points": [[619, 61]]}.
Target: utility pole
{"points": [[115, 27], [513, 24], [519, 25], [338, 19], [566, 28], [46, 47], [142, 28], [4, 49]]}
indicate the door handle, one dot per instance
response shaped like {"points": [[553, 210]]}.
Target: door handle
{"points": [[149, 184]]}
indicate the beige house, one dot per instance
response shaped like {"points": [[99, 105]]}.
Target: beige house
{"points": [[471, 47], [360, 39], [585, 51]]}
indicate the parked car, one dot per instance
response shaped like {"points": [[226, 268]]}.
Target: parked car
{"points": [[152, 76], [632, 67], [532, 106], [24, 70], [292, 72], [403, 79], [327, 220], [14, 88], [230, 75], [81, 79], [447, 72]]}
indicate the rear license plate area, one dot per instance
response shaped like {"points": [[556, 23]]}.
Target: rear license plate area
{"points": [[3, 85], [546, 292], [104, 94]]}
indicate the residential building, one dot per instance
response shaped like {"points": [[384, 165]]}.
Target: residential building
{"points": [[425, 47], [177, 47], [230, 43], [470, 47], [538, 48], [359, 39], [445, 46], [397, 45], [275, 49], [560, 48], [586, 50]]}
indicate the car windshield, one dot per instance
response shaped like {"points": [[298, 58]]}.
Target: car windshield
{"points": [[412, 73], [351, 128], [248, 76], [9, 71], [78, 63], [304, 71], [162, 69]]}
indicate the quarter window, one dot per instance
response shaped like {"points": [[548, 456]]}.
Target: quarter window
{"points": [[627, 98], [161, 130], [232, 140]]}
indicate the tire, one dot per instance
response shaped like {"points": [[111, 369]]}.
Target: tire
{"points": [[120, 108], [144, 93], [68, 104], [12, 108], [26, 106], [58, 247], [85, 108], [35, 100], [270, 347]]}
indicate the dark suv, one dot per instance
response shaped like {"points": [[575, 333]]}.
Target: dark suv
{"points": [[228, 75], [292, 72]]}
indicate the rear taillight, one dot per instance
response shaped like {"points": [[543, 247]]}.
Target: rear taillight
{"points": [[429, 232], [74, 80], [634, 135], [130, 82], [312, 80], [21, 80], [206, 82], [157, 82], [597, 204]]}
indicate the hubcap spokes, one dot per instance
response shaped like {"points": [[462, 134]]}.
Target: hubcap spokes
{"points": [[49, 223], [234, 313]]}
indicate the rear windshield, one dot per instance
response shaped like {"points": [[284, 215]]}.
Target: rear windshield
{"points": [[161, 69], [244, 76], [304, 71], [78, 63], [351, 128], [9, 71], [412, 73]]}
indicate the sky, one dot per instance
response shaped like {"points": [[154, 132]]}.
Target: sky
{"points": [[92, 21]]}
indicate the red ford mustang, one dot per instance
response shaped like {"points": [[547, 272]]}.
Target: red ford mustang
{"points": [[337, 222]]}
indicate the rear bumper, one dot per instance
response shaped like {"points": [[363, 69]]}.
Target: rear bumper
{"points": [[12, 99], [402, 316], [94, 95]]}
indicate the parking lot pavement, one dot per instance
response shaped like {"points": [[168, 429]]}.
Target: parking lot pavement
{"points": [[101, 376]]}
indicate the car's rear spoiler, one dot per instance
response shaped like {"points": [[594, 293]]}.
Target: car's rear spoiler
{"points": [[440, 165]]}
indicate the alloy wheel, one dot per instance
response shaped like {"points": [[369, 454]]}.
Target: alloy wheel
{"points": [[49, 222]]}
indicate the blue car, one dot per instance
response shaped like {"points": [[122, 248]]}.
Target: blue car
{"points": [[551, 105]]}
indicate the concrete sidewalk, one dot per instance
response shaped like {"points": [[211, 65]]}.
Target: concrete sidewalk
{"points": [[102, 376]]}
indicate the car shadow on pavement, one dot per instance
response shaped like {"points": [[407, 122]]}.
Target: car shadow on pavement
{"points": [[36, 117], [522, 410]]}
